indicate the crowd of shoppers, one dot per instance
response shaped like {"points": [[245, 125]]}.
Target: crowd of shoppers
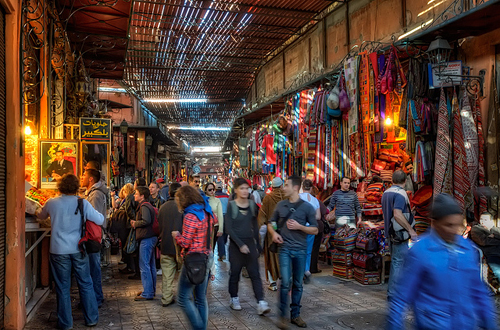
{"points": [[181, 221]]}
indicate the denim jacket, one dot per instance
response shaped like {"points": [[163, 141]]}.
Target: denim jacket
{"points": [[442, 285]]}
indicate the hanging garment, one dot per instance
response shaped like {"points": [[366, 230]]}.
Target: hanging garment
{"points": [[443, 164], [492, 143], [351, 78], [483, 202], [268, 144], [470, 140], [461, 184]]}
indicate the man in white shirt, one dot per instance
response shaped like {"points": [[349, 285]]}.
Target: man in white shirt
{"points": [[256, 195], [306, 196]]}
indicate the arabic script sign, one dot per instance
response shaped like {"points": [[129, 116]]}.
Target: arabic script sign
{"points": [[95, 129]]}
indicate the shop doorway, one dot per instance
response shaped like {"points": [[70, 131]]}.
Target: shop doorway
{"points": [[3, 163]]}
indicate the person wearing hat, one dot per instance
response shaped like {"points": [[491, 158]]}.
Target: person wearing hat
{"points": [[163, 189], [441, 278], [266, 211]]}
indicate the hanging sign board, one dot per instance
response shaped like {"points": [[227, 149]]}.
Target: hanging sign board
{"points": [[95, 129], [446, 77]]}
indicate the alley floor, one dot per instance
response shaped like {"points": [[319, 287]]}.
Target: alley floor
{"points": [[327, 303]]}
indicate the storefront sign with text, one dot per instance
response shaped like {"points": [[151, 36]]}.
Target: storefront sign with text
{"points": [[95, 129]]}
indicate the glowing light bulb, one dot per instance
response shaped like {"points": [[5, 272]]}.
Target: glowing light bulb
{"points": [[27, 130], [388, 121]]}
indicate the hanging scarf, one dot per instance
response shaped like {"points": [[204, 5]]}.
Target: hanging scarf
{"points": [[442, 167], [492, 143], [483, 202], [470, 140], [351, 78], [461, 184]]}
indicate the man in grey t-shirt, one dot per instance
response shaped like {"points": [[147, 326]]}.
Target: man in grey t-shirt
{"points": [[288, 229]]}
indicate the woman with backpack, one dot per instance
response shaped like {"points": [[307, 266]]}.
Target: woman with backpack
{"points": [[198, 221], [244, 249], [146, 238]]}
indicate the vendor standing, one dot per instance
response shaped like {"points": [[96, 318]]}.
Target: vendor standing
{"points": [[345, 202]]}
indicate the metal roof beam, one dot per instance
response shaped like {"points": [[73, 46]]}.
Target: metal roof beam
{"points": [[303, 15], [256, 57]]}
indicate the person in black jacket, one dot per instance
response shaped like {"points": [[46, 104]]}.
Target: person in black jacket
{"points": [[244, 249], [169, 220], [147, 239]]}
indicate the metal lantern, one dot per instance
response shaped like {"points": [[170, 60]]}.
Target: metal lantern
{"points": [[124, 126], [439, 52], [149, 140]]}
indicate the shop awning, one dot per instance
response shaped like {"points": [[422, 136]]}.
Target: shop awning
{"points": [[115, 105], [156, 133]]}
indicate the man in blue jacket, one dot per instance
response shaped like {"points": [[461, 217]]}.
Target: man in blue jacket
{"points": [[441, 278]]}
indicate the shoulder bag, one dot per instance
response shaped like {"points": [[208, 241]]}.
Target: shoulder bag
{"points": [[196, 263], [281, 221]]}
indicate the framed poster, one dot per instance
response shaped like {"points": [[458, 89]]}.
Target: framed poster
{"points": [[57, 157]]}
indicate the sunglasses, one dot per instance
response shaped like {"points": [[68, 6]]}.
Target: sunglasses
{"points": [[211, 189], [196, 181]]}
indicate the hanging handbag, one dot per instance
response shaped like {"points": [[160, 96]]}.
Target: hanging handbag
{"points": [[196, 263], [131, 245]]}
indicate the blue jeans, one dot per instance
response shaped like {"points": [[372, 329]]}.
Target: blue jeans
{"points": [[62, 265], [221, 245], [95, 273], [147, 265], [292, 265], [398, 256], [193, 300], [310, 243]]}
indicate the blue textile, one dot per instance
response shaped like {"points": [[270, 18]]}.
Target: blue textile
{"points": [[292, 265], [193, 301], [62, 265], [199, 209], [442, 283], [95, 273], [147, 265]]}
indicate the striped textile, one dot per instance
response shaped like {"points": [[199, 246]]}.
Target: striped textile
{"points": [[483, 201], [442, 167], [461, 186], [470, 140]]}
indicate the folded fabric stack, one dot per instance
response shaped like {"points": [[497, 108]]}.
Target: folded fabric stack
{"points": [[386, 175], [366, 257], [345, 238], [343, 271], [342, 257], [421, 202], [366, 277], [374, 192]]}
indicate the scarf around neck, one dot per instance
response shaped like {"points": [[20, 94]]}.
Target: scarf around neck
{"points": [[199, 210]]}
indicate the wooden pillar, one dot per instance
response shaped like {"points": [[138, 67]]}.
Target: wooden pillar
{"points": [[15, 307]]}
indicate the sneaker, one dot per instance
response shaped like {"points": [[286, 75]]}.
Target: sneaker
{"points": [[307, 278], [235, 304], [298, 321], [282, 323], [273, 286], [159, 272], [263, 308]]}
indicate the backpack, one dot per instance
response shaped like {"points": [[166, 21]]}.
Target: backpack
{"points": [[154, 211], [234, 209], [91, 233]]}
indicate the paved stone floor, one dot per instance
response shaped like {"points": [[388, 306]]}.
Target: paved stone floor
{"points": [[327, 303]]}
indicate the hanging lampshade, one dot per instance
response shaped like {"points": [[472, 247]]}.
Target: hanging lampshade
{"points": [[439, 51], [124, 126]]}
